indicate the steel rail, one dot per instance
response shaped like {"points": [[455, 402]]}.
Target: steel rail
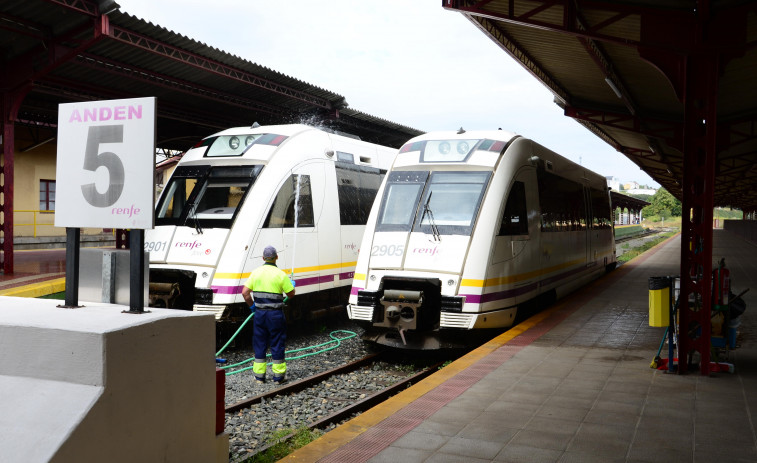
{"points": [[304, 383], [359, 406]]}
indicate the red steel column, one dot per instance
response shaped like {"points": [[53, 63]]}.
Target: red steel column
{"points": [[699, 154], [6, 202]]}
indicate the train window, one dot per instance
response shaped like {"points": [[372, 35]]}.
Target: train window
{"points": [[175, 198], [451, 201], [515, 219], [400, 204], [345, 157], [356, 187], [447, 150], [293, 205], [204, 196], [230, 145], [563, 207], [400, 200], [219, 199], [600, 208]]}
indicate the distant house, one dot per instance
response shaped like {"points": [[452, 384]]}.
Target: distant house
{"points": [[631, 188], [641, 191], [613, 183]]}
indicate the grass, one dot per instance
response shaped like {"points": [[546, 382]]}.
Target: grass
{"points": [[284, 447], [61, 296], [628, 255]]}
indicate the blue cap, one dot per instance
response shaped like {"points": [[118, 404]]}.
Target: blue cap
{"points": [[269, 253]]}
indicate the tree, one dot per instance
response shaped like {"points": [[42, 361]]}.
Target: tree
{"points": [[663, 203]]}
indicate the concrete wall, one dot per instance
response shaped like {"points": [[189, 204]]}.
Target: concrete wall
{"points": [[747, 229], [97, 384]]}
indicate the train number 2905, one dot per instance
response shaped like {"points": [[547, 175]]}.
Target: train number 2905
{"points": [[390, 250]]}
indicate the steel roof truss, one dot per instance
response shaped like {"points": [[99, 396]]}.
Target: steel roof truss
{"points": [[197, 61], [173, 83]]}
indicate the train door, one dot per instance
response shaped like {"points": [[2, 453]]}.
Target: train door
{"points": [[589, 224], [513, 234], [291, 225], [514, 244]]}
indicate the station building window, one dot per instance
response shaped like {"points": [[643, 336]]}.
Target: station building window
{"points": [[47, 195]]}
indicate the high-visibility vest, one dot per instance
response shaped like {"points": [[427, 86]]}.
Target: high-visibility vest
{"points": [[268, 284]]}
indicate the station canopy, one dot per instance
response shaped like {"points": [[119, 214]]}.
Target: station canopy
{"points": [[60, 51], [621, 69]]}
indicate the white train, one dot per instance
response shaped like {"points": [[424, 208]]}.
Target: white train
{"points": [[301, 189], [469, 227]]}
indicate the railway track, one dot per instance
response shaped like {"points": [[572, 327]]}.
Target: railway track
{"points": [[341, 393], [644, 234]]}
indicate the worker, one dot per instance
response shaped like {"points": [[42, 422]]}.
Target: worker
{"points": [[264, 292]]}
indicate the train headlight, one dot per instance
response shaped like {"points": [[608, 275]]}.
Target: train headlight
{"points": [[204, 274], [234, 143], [372, 277], [450, 282], [248, 141]]}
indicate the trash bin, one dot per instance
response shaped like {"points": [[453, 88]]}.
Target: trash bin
{"points": [[659, 301]]}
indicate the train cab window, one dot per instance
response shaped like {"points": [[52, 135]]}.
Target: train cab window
{"points": [[205, 197], [400, 201], [176, 197], [515, 218], [450, 202], [174, 203], [293, 205]]}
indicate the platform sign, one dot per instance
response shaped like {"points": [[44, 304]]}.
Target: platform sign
{"points": [[105, 175]]}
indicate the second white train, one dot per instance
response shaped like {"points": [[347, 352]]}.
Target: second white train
{"points": [[469, 227]]}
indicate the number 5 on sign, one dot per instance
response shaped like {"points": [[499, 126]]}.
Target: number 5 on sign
{"points": [[106, 164]]}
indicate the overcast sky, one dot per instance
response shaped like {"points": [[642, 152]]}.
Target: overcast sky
{"points": [[406, 61]]}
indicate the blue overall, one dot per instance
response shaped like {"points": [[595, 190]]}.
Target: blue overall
{"points": [[268, 285]]}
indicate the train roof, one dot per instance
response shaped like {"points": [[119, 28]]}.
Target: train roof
{"points": [[499, 135], [288, 130]]}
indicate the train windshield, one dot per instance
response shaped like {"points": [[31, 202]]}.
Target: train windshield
{"points": [[444, 203], [204, 196], [450, 202]]}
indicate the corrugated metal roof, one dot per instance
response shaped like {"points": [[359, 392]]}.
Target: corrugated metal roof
{"points": [[574, 46], [199, 88]]}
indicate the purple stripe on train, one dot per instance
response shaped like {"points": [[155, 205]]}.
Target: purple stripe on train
{"points": [[499, 295], [302, 282]]}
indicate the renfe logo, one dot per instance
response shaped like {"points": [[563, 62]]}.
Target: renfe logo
{"points": [[132, 210], [186, 244], [426, 251]]}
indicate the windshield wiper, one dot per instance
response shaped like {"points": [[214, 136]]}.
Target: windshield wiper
{"points": [[427, 210], [193, 215]]}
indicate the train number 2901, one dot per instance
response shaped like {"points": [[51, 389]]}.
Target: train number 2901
{"points": [[384, 250], [156, 246]]}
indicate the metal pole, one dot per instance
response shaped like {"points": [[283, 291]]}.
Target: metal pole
{"points": [[136, 271], [73, 240]]}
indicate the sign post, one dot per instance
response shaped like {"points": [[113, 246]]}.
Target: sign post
{"points": [[105, 177]]}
